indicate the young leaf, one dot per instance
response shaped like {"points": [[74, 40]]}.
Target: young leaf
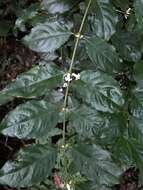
{"points": [[104, 19], [47, 37], [98, 90], [34, 119], [103, 55], [34, 164], [33, 83], [95, 164]]}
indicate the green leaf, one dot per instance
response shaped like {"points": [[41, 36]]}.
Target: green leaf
{"points": [[47, 37], [123, 4], [26, 15], [5, 27], [129, 152], [104, 19], [136, 128], [91, 186], [34, 164], [138, 4], [34, 119], [57, 6], [33, 83], [95, 164], [128, 45], [89, 123], [102, 55], [136, 103], [138, 73], [98, 90]]}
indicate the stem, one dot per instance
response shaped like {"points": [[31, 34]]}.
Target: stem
{"points": [[78, 37]]}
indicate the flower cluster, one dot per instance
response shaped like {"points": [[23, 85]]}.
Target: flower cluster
{"points": [[70, 77]]}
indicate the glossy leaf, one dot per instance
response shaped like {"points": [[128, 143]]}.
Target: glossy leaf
{"points": [[33, 83], [102, 55], [138, 4], [47, 37], [95, 163], [26, 15], [104, 19], [138, 73], [129, 152], [57, 6], [103, 127], [34, 164], [91, 186], [123, 4], [34, 119], [136, 105], [128, 45], [98, 90]]}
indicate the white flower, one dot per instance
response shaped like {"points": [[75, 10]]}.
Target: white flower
{"points": [[65, 85], [127, 13], [68, 187], [67, 77], [60, 90], [76, 76], [78, 36]]}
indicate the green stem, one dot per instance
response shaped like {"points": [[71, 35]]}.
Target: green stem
{"points": [[78, 37]]}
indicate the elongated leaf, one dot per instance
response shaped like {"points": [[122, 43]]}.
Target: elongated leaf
{"points": [[138, 73], [104, 19], [33, 83], [102, 55], [92, 186], [26, 15], [34, 164], [57, 6], [47, 37], [95, 163], [33, 119], [138, 4], [103, 127], [136, 128], [98, 90], [123, 4], [136, 105], [129, 152], [128, 45]]}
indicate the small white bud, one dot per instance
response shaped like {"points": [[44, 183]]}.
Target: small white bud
{"points": [[76, 76], [60, 89], [127, 13], [68, 187], [65, 85], [78, 36], [67, 77]]}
